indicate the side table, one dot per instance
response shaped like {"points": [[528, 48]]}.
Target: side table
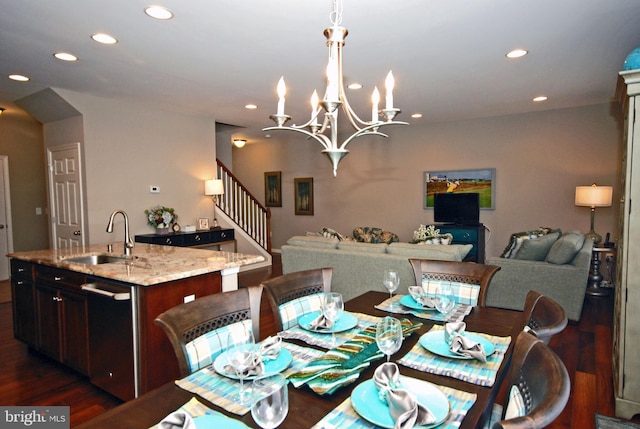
{"points": [[594, 287]]}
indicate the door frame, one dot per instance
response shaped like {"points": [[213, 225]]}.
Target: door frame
{"points": [[7, 201]]}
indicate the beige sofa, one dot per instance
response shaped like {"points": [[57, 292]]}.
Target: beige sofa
{"points": [[359, 267]]}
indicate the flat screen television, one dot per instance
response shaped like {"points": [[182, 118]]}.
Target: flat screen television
{"points": [[459, 209]]}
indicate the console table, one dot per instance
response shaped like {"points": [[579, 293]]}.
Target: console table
{"points": [[206, 238], [467, 234]]}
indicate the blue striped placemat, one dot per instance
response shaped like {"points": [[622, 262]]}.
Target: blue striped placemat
{"points": [[323, 339], [344, 416], [218, 389], [459, 312], [469, 370], [196, 408]]}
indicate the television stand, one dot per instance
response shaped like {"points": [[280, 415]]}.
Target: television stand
{"points": [[467, 234]]}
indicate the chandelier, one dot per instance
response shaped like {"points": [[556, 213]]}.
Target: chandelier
{"points": [[326, 133]]}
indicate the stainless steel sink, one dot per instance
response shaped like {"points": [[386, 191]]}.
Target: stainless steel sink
{"points": [[97, 259]]}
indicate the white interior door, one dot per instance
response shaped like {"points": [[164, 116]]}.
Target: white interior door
{"points": [[66, 196], [6, 237]]}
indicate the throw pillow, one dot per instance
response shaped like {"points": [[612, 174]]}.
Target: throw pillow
{"points": [[516, 240], [536, 249], [367, 234], [566, 248], [332, 233]]}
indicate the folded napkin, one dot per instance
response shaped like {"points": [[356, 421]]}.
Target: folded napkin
{"points": [[405, 409], [453, 329], [464, 346], [321, 323], [177, 420], [418, 294], [270, 348]]}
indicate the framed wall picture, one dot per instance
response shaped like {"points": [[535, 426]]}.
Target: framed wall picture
{"points": [[272, 189], [203, 223], [481, 181], [303, 195]]}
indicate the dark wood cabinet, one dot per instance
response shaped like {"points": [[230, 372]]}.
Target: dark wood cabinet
{"points": [[23, 301], [61, 308], [473, 235], [213, 237]]}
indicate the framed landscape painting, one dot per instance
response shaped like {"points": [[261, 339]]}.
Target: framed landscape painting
{"points": [[461, 181], [272, 189], [304, 195]]}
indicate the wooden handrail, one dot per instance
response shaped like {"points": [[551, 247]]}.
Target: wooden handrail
{"points": [[243, 208]]}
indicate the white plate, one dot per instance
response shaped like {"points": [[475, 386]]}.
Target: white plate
{"points": [[366, 402], [435, 343], [274, 366], [344, 323]]}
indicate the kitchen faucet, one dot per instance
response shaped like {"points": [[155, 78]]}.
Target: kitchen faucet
{"points": [[128, 243]]}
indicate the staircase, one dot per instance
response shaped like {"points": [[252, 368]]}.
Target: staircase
{"points": [[251, 219]]}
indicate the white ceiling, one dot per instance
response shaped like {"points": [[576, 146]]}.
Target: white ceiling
{"points": [[215, 56]]}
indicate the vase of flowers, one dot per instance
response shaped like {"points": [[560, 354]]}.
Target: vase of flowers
{"points": [[161, 218]]}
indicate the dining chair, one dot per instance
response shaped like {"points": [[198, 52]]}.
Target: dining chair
{"points": [[538, 385], [295, 294], [477, 276], [544, 316], [198, 330]]}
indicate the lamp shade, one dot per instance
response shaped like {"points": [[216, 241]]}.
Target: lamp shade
{"points": [[594, 196], [213, 187]]}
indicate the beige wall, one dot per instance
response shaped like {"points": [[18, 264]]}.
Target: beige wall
{"points": [[539, 159], [21, 141]]}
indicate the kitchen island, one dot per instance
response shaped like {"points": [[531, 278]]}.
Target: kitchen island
{"points": [[97, 318]]}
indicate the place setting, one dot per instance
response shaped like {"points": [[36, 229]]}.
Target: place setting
{"points": [[452, 351]]}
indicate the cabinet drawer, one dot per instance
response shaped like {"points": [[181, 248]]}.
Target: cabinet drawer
{"points": [[461, 235], [222, 235], [197, 239], [60, 277], [22, 269]]}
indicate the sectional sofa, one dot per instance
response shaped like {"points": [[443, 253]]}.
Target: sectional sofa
{"points": [[359, 267]]}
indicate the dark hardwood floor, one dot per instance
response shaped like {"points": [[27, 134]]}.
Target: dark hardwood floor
{"points": [[27, 378]]}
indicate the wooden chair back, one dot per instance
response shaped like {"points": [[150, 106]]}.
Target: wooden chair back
{"points": [[463, 272], [544, 316], [186, 322], [288, 287]]}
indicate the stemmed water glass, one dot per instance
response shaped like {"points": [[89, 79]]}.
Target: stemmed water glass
{"points": [[241, 353], [444, 298], [332, 308], [269, 400], [389, 336], [391, 281]]}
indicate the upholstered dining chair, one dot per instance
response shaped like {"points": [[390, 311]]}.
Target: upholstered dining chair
{"points": [[198, 330], [544, 316], [469, 273], [539, 386], [295, 294]]}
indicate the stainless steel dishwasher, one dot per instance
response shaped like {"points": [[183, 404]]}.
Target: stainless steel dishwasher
{"points": [[111, 337]]}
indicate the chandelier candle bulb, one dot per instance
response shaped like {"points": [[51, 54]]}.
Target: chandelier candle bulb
{"points": [[389, 84], [375, 99], [282, 90]]}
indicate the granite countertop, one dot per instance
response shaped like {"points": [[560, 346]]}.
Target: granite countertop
{"points": [[148, 264]]}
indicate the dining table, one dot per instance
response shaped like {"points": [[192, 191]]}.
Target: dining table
{"points": [[307, 408]]}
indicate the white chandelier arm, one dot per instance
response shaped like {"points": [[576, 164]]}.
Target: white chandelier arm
{"points": [[365, 131], [320, 138]]}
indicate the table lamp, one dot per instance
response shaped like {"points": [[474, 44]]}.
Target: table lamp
{"points": [[213, 188], [593, 196]]}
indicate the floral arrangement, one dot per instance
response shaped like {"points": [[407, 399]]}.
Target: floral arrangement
{"points": [[429, 234], [161, 217]]}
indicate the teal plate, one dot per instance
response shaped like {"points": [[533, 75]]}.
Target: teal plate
{"points": [[366, 402], [344, 323], [435, 343], [217, 421], [409, 302], [274, 366]]}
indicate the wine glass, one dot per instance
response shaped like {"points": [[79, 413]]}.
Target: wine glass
{"points": [[241, 353], [444, 298], [269, 400], [389, 336], [391, 282], [332, 308]]}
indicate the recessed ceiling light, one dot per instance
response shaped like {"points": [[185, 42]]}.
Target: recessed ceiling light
{"points": [[540, 98], [251, 107], [517, 53], [18, 77], [239, 142], [355, 85], [65, 56], [158, 12], [104, 39], [417, 115]]}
